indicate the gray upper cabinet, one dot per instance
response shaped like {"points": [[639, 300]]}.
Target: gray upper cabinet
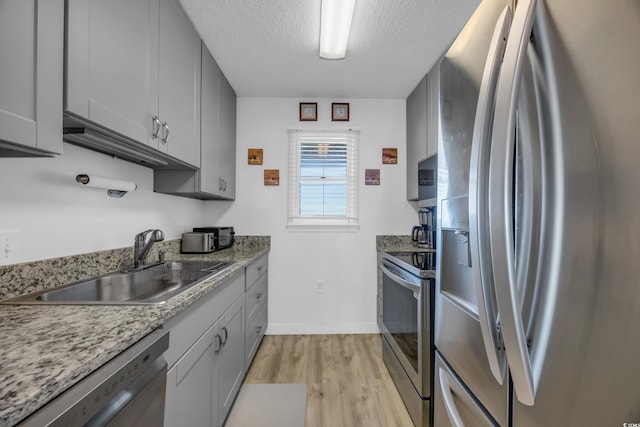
{"points": [[133, 79], [422, 126], [31, 70], [215, 179], [179, 84], [416, 135]]}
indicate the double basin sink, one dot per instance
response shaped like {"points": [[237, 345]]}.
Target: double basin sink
{"points": [[152, 285]]}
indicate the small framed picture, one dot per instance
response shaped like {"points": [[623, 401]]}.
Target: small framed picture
{"points": [[340, 112], [255, 156], [272, 177], [372, 177], [308, 111], [389, 156]]}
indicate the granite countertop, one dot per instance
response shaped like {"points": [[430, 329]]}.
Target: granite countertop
{"points": [[45, 349]]}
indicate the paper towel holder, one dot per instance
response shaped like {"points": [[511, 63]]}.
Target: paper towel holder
{"points": [[115, 187]]}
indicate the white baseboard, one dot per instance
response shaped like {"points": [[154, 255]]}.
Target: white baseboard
{"points": [[321, 328]]}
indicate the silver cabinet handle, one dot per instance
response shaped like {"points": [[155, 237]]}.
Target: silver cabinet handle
{"points": [[165, 133], [501, 205], [155, 127], [225, 185], [260, 268], [226, 335], [259, 329], [219, 344], [259, 295], [478, 231]]}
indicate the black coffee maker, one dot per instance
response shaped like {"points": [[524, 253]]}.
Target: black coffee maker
{"points": [[423, 235]]}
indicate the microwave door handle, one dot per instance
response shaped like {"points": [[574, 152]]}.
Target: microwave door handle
{"points": [[479, 234], [400, 281], [501, 205]]}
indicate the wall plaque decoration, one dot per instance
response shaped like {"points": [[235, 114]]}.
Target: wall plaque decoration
{"points": [[255, 156], [272, 177], [389, 156], [372, 177], [308, 111], [340, 112]]}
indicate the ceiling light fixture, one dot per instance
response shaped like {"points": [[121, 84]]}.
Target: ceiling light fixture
{"points": [[335, 25]]}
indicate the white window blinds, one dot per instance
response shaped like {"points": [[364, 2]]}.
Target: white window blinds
{"points": [[323, 179]]}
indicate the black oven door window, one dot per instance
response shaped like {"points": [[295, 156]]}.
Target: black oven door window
{"points": [[400, 316]]}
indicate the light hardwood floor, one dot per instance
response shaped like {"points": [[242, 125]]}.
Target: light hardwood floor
{"points": [[348, 383]]}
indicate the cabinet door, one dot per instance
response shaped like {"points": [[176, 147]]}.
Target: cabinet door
{"points": [[228, 140], [416, 135], [433, 109], [179, 84], [191, 398], [231, 358], [112, 65], [209, 126], [31, 48]]}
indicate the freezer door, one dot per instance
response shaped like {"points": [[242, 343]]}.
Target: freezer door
{"points": [[578, 330], [454, 404]]}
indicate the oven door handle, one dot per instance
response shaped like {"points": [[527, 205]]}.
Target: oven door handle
{"points": [[399, 280]]}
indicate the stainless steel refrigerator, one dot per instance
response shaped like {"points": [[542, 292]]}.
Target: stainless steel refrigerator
{"points": [[538, 303]]}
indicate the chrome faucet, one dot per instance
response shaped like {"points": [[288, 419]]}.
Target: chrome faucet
{"points": [[142, 245]]}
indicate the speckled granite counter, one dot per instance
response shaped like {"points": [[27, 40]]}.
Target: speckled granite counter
{"points": [[46, 349], [395, 243]]}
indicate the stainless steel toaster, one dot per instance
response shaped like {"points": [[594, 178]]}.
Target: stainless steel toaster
{"points": [[198, 243]]}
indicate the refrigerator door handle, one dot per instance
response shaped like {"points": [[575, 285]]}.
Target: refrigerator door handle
{"points": [[447, 396], [479, 234], [525, 378]]}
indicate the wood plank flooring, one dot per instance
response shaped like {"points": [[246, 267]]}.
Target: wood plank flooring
{"points": [[348, 383]]}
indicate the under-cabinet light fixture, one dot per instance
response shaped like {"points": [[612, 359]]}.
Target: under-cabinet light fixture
{"points": [[335, 26], [114, 187]]}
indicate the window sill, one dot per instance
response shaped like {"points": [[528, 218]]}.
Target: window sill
{"points": [[341, 226]]}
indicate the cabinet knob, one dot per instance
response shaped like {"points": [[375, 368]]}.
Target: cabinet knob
{"points": [[260, 267], [259, 295], [259, 329]]}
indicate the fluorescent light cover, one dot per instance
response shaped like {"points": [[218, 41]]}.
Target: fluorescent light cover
{"points": [[335, 25]]}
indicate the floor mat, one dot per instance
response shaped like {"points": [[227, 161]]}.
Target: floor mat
{"points": [[269, 405]]}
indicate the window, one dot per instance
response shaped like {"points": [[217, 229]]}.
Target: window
{"points": [[323, 180]]}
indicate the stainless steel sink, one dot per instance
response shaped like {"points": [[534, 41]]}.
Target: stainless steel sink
{"points": [[152, 285]]}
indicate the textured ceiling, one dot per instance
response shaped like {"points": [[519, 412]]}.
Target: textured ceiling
{"points": [[269, 48]]}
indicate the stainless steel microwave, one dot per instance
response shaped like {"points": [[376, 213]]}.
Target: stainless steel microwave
{"points": [[428, 181]]}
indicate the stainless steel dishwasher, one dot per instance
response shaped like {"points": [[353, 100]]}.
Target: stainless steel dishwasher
{"points": [[129, 390]]}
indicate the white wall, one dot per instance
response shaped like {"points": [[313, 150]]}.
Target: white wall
{"points": [[59, 217], [346, 262]]}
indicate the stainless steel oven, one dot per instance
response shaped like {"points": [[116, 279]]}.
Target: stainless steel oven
{"points": [[408, 290]]}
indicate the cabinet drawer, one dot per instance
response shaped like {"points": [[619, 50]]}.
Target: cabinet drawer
{"points": [[255, 270], [188, 325], [254, 335], [256, 298]]}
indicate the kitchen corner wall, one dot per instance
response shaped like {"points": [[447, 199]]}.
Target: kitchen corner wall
{"points": [[58, 217], [345, 262]]}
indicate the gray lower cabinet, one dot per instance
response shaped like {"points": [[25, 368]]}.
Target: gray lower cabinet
{"points": [[206, 357], [191, 394], [31, 72], [256, 294], [230, 357], [133, 78]]}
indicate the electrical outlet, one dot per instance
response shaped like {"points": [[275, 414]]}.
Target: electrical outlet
{"points": [[9, 247], [320, 286]]}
